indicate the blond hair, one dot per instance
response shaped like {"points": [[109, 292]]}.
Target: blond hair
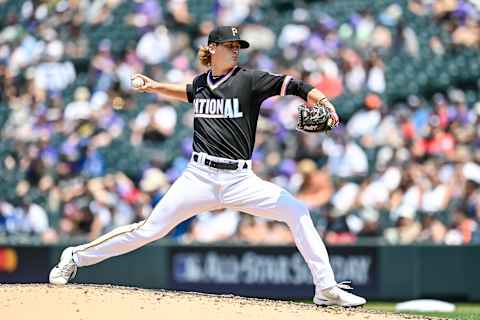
{"points": [[204, 56]]}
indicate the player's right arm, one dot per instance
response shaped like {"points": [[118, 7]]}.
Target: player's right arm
{"points": [[169, 90]]}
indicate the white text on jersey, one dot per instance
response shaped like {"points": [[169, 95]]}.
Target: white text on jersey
{"points": [[217, 108]]}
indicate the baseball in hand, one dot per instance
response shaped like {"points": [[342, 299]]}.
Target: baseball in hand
{"points": [[137, 82]]}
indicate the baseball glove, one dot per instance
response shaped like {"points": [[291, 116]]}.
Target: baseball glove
{"points": [[318, 118]]}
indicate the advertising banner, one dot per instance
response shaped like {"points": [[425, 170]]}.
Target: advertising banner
{"points": [[276, 272], [24, 264]]}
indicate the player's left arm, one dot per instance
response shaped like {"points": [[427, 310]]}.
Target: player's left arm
{"points": [[316, 97], [312, 96], [266, 84]]}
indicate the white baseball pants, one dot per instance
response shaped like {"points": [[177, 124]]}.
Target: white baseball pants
{"points": [[201, 188]]}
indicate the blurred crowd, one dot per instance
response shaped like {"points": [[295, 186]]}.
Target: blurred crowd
{"points": [[399, 172]]}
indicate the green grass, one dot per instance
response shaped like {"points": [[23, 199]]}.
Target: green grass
{"points": [[464, 311]]}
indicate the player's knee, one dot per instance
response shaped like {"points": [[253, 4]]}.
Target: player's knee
{"points": [[157, 225], [147, 231], [301, 209], [151, 231], [296, 210]]}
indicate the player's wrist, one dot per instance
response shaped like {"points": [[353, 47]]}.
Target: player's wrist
{"points": [[157, 85], [321, 100]]}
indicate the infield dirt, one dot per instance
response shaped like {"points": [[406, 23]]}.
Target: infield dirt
{"points": [[101, 302]]}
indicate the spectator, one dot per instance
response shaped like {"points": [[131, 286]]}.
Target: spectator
{"points": [[407, 229], [433, 230], [154, 124], [345, 159], [64, 107], [154, 47], [462, 229], [219, 225], [366, 121], [316, 188]]}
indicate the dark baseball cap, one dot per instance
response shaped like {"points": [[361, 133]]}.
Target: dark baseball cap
{"points": [[225, 34]]}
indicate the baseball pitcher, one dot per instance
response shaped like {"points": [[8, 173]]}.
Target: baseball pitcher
{"points": [[226, 101]]}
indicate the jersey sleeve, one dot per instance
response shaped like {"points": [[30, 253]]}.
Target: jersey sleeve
{"points": [[190, 92], [266, 84]]}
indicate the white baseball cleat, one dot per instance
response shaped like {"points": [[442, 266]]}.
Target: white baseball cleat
{"points": [[335, 296], [65, 270]]}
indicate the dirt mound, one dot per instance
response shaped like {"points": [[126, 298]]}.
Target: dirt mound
{"points": [[95, 302]]}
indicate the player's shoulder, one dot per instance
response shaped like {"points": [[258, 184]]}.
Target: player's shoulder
{"points": [[260, 73], [201, 78], [246, 71], [242, 72]]}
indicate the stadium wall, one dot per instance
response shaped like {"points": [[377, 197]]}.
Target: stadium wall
{"points": [[377, 272]]}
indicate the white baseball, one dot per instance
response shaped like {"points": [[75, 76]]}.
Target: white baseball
{"points": [[137, 82]]}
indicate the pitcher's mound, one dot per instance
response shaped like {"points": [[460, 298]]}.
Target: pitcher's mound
{"points": [[100, 302]]}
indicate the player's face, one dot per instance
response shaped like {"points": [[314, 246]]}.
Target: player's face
{"points": [[229, 51]]}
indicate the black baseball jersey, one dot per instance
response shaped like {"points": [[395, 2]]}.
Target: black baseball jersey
{"points": [[226, 110]]}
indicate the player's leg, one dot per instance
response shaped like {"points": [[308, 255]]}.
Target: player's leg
{"points": [[258, 197], [178, 204], [262, 198]]}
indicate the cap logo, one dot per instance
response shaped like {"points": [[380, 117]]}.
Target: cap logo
{"points": [[234, 31]]}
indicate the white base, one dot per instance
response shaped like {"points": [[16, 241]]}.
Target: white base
{"points": [[425, 305]]}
